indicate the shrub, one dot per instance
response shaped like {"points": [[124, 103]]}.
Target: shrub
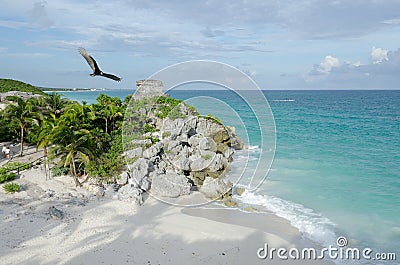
{"points": [[15, 165], [6, 176], [212, 118], [148, 128], [175, 113], [206, 156], [192, 109], [107, 167], [11, 187], [167, 107], [57, 171], [170, 101], [152, 139], [166, 134]]}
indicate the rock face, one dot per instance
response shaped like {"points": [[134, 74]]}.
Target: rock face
{"points": [[215, 188], [139, 170], [170, 185], [123, 178], [177, 152], [137, 152], [131, 193]]}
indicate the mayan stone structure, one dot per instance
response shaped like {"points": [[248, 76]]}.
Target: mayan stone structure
{"points": [[148, 89]]}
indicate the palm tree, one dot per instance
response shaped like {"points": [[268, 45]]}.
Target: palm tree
{"points": [[78, 116], [24, 113], [108, 109], [44, 138], [53, 103], [115, 112], [72, 139], [72, 145]]}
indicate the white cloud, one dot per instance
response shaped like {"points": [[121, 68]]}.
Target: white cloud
{"points": [[230, 31], [38, 14], [140, 23], [378, 55], [383, 72], [327, 64], [395, 21]]}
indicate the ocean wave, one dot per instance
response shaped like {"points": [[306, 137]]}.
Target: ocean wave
{"points": [[244, 158], [251, 153], [253, 147], [283, 100], [311, 224]]}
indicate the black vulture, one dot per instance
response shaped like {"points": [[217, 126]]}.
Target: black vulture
{"points": [[96, 70]]}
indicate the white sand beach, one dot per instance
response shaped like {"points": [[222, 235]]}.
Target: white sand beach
{"points": [[108, 231]]}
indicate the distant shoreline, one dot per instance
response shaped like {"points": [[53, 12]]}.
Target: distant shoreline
{"points": [[48, 90], [61, 90]]}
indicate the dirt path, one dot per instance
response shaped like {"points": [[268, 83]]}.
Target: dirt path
{"points": [[30, 154]]}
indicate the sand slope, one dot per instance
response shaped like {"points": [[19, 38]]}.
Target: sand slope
{"points": [[108, 231]]}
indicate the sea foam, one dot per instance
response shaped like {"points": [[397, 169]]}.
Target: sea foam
{"points": [[311, 224]]}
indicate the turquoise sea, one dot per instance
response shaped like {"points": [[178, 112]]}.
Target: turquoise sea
{"points": [[336, 170]]}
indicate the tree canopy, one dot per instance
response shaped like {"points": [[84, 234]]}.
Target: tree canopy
{"points": [[7, 85]]}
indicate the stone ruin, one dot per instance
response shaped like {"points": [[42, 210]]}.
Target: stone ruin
{"points": [[148, 89]]}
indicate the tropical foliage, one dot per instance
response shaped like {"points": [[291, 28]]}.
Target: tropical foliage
{"points": [[84, 139], [14, 85], [23, 113], [11, 187], [13, 166], [6, 176]]}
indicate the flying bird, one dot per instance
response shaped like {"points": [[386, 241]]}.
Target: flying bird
{"points": [[96, 70]]}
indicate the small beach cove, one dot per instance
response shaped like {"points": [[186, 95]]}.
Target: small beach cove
{"points": [[109, 231]]}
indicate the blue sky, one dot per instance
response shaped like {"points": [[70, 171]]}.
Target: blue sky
{"points": [[288, 44]]}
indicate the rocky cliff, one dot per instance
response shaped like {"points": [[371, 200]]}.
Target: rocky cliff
{"points": [[171, 150]]}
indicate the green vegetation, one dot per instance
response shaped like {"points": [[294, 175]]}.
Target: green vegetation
{"points": [[152, 139], [166, 134], [81, 138], [148, 128], [167, 107], [206, 156], [11, 187], [6, 177], [22, 113], [172, 102], [14, 85], [215, 119], [5, 171], [107, 167], [14, 166], [57, 171], [175, 113], [192, 109]]}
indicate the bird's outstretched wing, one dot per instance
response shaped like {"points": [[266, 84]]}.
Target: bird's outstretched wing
{"points": [[96, 70], [89, 59], [113, 77]]}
